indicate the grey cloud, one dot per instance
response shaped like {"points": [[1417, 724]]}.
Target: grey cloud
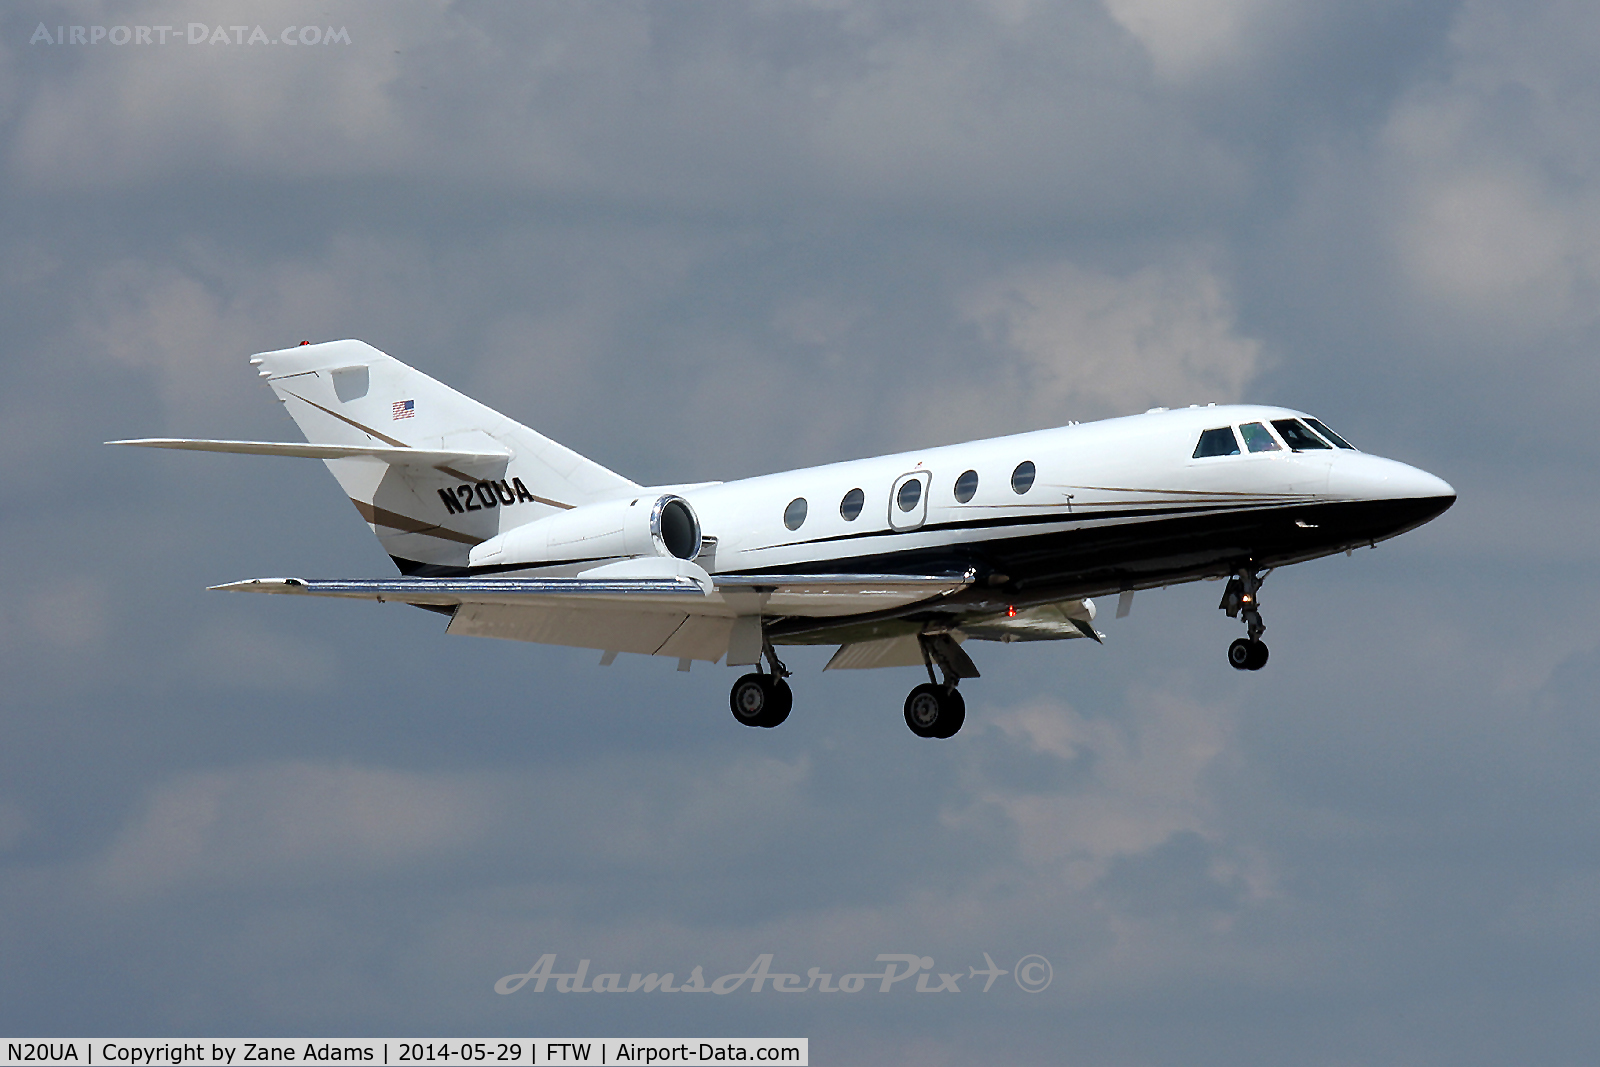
{"points": [[698, 241], [716, 109]]}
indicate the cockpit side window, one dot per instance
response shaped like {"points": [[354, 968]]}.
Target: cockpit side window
{"points": [[1338, 442], [1257, 438], [1297, 436], [1218, 442]]}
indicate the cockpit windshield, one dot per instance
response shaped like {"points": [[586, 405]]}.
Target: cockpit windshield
{"points": [[1338, 441], [1218, 442], [1257, 438], [1296, 433], [1297, 436]]}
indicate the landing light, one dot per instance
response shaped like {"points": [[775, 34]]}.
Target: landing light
{"points": [[1011, 611]]}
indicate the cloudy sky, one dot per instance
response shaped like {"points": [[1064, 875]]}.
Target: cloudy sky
{"points": [[706, 240]]}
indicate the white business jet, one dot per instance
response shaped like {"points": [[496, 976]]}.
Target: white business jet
{"points": [[898, 560]]}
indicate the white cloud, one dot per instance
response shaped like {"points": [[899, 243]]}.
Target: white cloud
{"points": [[192, 318], [1087, 344], [1143, 781], [1189, 37], [300, 823], [135, 112], [288, 823], [985, 111], [1495, 217], [1495, 240]]}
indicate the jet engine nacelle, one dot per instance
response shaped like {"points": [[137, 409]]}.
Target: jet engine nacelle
{"points": [[664, 525]]}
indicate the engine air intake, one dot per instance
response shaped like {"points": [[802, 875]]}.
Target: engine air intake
{"points": [[675, 527]]}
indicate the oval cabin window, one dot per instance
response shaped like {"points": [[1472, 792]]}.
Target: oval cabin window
{"points": [[909, 495], [966, 486], [1022, 477], [851, 505], [795, 514]]}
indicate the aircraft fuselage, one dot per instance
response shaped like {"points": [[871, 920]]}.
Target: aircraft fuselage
{"points": [[1113, 505]]}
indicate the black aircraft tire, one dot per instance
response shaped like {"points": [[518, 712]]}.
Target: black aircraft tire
{"points": [[1240, 654], [781, 701], [930, 710], [956, 713], [752, 699]]}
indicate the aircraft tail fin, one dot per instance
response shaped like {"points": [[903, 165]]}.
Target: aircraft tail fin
{"points": [[432, 471]]}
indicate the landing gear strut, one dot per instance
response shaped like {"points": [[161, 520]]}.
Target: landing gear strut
{"points": [[1241, 600], [935, 708], [763, 699]]}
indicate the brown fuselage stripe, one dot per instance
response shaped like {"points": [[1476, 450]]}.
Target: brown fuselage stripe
{"points": [[383, 517]]}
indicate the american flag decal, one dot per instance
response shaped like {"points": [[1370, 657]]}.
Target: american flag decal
{"points": [[405, 409]]}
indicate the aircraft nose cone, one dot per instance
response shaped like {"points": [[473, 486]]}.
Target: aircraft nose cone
{"points": [[1420, 483], [1364, 477]]}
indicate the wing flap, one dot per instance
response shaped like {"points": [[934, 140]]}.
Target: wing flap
{"points": [[905, 651], [672, 633], [1061, 621]]}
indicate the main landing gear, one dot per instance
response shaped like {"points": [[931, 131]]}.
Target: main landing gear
{"points": [[1241, 600], [934, 708], [763, 699]]}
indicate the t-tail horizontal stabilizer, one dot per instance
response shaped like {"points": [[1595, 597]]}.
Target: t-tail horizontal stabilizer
{"points": [[394, 456]]}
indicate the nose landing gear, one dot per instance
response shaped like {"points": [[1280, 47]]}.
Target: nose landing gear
{"points": [[1240, 600], [1247, 655], [763, 699]]}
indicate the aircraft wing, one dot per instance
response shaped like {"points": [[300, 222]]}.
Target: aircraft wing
{"points": [[781, 594], [689, 614], [447, 592], [394, 456]]}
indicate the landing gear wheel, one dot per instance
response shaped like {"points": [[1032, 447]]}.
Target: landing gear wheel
{"points": [[935, 711], [760, 700], [1247, 655], [782, 701], [956, 716]]}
